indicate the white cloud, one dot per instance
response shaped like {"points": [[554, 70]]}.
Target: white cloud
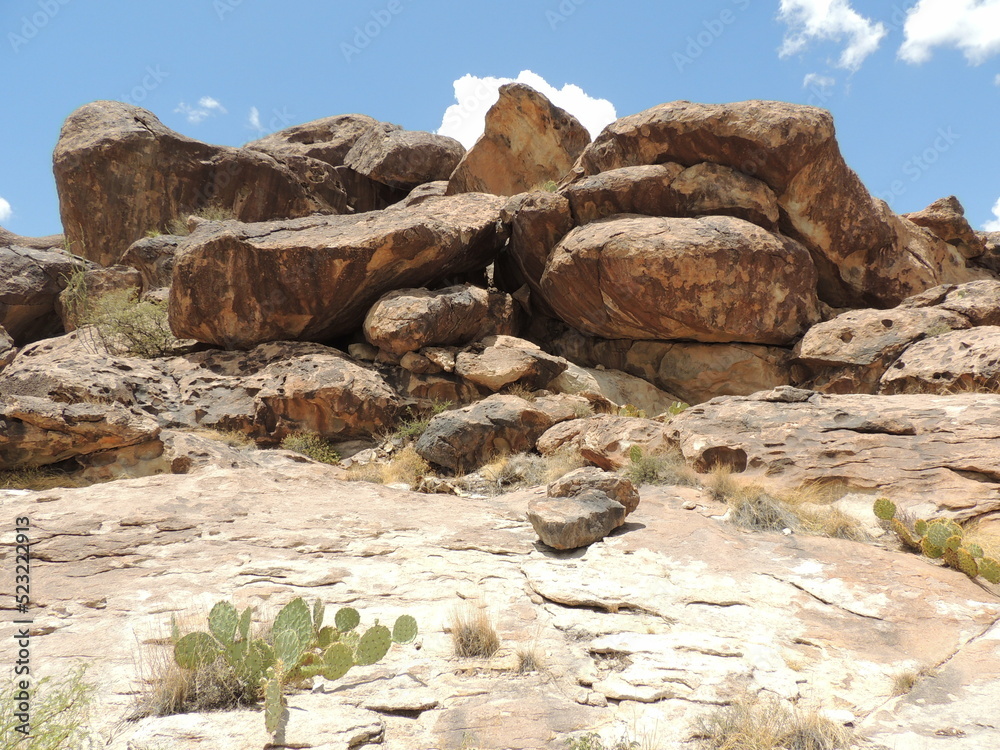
{"points": [[5, 210], [997, 80], [465, 120], [817, 81], [994, 224], [207, 107], [830, 20], [254, 119], [973, 26]]}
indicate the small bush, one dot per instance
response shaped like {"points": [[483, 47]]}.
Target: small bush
{"points": [[121, 324], [473, 633], [60, 712], [529, 659], [667, 468], [312, 446], [405, 467], [904, 682], [37, 478], [549, 186], [753, 723], [593, 741], [755, 509], [179, 225], [416, 422]]}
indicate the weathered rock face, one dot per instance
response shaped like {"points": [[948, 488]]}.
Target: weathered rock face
{"points": [[863, 252], [316, 278], [7, 348], [38, 432], [527, 141], [577, 521], [614, 486], [505, 360], [938, 453], [604, 441], [713, 279], [406, 320], [946, 219], [50, 242], [643, 190], [328, 139], [613, 387], [153, 258], [955, 361], [464, 439], [403, 158], [852, 352], [120, 173], [96, 283], [30, 283]]}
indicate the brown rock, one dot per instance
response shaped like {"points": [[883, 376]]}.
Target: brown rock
{"points": [[7, 349], [643, 190], [30, 283], [712, 279], [39, 432], [945, 217], [527, 140], [950, 362], [316, 278], [328, 139], [464, 439], [861, 250], [935, 453], [406, 320], [614, 486], [96, 283], [423, 192], [614, 388], [713, 189], [572, 522], [979, 301], [153, 257], [50, 242], [403, 158], [604, 441], [509, 361], [120, 173]]}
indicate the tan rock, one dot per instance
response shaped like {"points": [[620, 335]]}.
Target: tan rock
{"points": [[713, 279], [403, 158], [604, 441], [50, 242], [932, 453], [614, 387], [501, 364], [527, 140], [630, 190], [328, 139], [406, 320], [30, 283], [418, 364], [316, 278], [571, 522], [716, 190], [951, 362], [120, 173], [7, 349], [945, 217], [979, 301], [153, 257], [614, 486]]}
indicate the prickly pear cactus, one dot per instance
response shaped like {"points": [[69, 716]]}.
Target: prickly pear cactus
{"points": [[635, 454], [319, 612], [195, 650], [885, 509], [950, 557], [374, 644], [223, 621], [930, 549], [346, 619], [974, 549], [405, 629], [295, 616], [243, 627], [953, 543], [904, 535], [289, 649], [337, 660], [275, 714], [920, 527], [966, 563], [989, 569], [938, 533]]}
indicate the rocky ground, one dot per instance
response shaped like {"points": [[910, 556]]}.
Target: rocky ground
{"points": [[703, 305]]}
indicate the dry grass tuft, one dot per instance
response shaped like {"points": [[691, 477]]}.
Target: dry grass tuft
{"points": [[752, 507], [232, 438], [312, 446], [38, 478], [755, 723], [721, 484], [904, 682], [658, 468], [405, 467], [473, 633], [529, 659]]}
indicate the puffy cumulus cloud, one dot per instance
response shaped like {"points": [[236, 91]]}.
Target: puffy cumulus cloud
{"points": [[207, 107], [5, 210], [994, 224], [972, 26], [465, 119], [830, 20]]}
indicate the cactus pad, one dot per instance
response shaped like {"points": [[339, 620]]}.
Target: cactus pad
{"points": [[319, 612], [950, 556], [289, 648], [295, 616], [195, 650], [975, 550], [920, 527], [967, 563], [885, 509], [337, 660], [635, 454], [989, 569], [346, 619], [326, 636], [938, 534], [275, 714], [405, 629], [931, 550], [374, 644], [222, 622], [954, 542], [243, 627], [904, 534]]}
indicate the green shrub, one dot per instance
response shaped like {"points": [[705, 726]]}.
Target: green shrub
{"points": [[667, 468], [311, 445], [60, 711], [120, 323], [416, 422]]}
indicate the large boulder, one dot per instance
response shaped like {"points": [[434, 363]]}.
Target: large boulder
{"points": [[153, 258], [713, 279], [605, 441], [863, 252], [328, 139], [316, 278], [406, 320], [572, 522], [591, 478], [527, 141], [30, 283], [614, 387], [49, 242], [121, 173], [945, 217], [503, 360], [936, 454], [955, 361], [403, 159], [464, 439]]}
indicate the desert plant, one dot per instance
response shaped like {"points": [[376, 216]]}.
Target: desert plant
{"points": [[753, 508], [179, 225], [939, 539], [593, 741], [311, 445], [473, 633], [37, 478], [631, 411], [416, 421], [529, 659], [754, 723], [59, 713], [232, 438], [665, 468], [904, 682], [120, 323]]}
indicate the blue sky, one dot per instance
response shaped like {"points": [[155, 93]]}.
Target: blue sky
{"points": [[914, 86]]}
